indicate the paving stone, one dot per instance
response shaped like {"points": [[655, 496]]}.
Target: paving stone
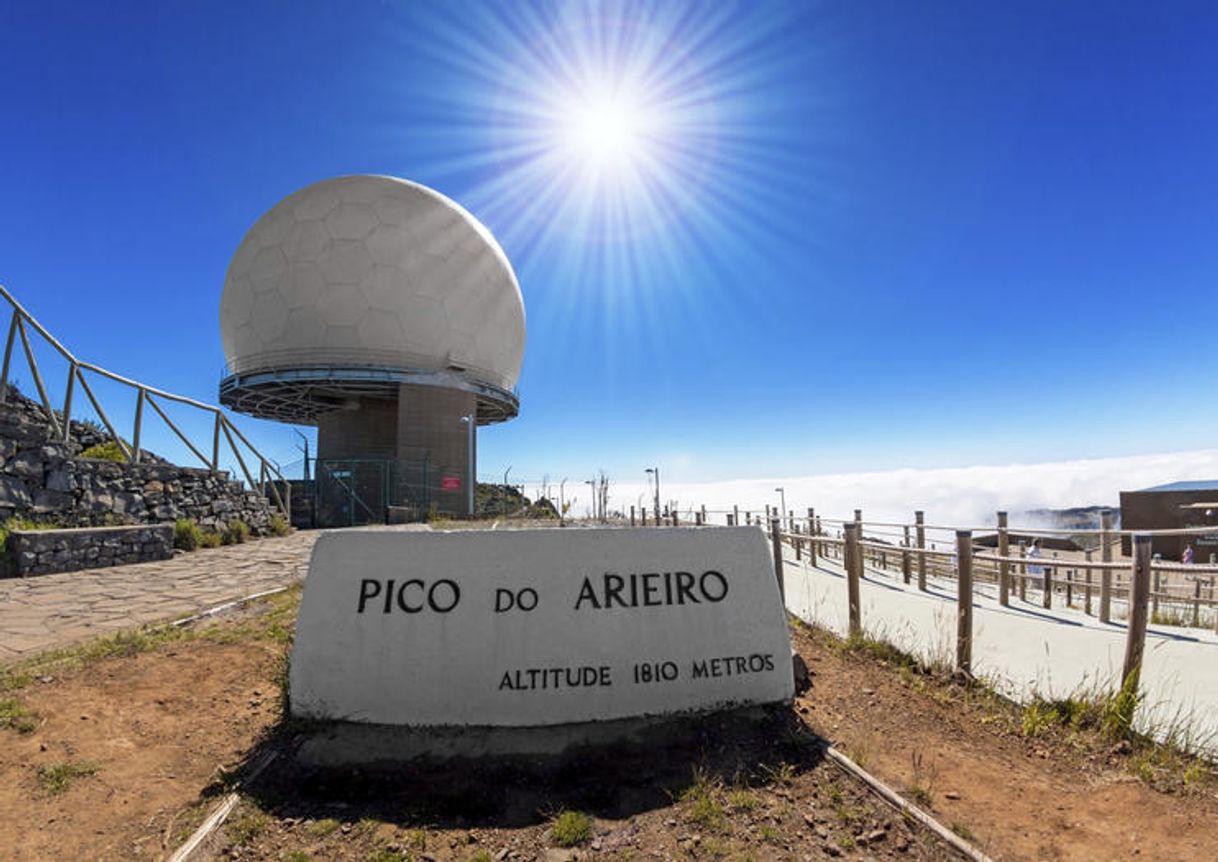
{"points": [[50, 611]]}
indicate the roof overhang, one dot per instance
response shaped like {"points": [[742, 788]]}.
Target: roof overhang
{"points": [[301, 395]]}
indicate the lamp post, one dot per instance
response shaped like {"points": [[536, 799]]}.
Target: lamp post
{"points": [[782, 495], [656, 470], [470, 423]]}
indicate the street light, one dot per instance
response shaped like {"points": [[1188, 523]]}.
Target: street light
{"points": [[656, 470], [782, 495], [470, 480]]}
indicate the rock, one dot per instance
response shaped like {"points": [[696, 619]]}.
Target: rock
{"points": [[803, 680], [27, 465], [559, 854], [951, 794], [61, 477], [14, 493]]}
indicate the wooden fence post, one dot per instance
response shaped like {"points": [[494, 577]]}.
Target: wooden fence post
{"points": [[1004, 568], [964, 602], [1156, 579], [1106, 573], [731, 521], [1196, 602], [1069, 588], [776, 544], [1139, 589], [854, 571], [1087, 588], [735, 514], [632, 515], [920, 535], [812, 541], [797, 542], [858, 520], [1046, 597], [698, 519], [905, 561], [1023, 571]]}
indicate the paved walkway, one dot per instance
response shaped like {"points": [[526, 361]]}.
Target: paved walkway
{"points": [[1023, 649], [50, 611]]}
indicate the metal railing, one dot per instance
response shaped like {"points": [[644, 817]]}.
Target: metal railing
{"points": [[60, 420]]}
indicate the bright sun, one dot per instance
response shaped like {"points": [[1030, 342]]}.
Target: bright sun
{"points": [[609, 129]]}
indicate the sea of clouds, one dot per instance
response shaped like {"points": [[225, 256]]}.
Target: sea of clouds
{"points": [[958, 496]]}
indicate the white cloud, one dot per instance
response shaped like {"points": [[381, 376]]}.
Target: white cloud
{"points": [[960, 496]]}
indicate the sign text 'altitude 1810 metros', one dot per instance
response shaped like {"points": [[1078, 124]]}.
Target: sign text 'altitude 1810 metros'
{"points": [[538, 627]]}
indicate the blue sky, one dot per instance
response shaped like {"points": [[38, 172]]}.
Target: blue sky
{"points": [[874, 235]]}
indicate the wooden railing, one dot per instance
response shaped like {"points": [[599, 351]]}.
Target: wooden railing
{"points": [[270, 480]]}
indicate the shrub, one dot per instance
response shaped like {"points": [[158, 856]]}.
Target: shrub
{"points": [[187, 535], [108, 451], [278, 526], [571, 828], [209, 539], [235, 533]]}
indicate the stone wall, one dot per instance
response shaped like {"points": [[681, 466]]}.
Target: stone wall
{"points": [[45, 479], [42, 552]]}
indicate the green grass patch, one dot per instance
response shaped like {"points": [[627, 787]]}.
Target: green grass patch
{"points": [[963, 831], [57, 778], [742, 800], [322, 828], [278, 526], [247, 826], [384, 854], [14, 716], [571, 828]]}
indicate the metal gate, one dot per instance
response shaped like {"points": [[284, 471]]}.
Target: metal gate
{"points": [[353, 492]]}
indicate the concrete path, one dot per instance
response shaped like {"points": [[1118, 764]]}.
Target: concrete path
{"points": [[1023, 650], [50, 611]]}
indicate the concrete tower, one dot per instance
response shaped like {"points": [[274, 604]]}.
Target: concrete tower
{"points": [[383, 313]]}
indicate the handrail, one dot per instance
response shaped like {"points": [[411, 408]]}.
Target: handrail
{"points": [[269, 473]]}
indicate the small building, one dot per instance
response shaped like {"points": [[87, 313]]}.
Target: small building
{"points": [[1048, 543], [1172, 507]]}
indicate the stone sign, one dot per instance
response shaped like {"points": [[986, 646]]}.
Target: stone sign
{"points": [[525, 628]]}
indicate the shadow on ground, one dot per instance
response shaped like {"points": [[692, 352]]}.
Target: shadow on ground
{"points": [[610, 781]]}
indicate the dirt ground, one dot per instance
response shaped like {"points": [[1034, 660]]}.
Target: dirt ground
{"points": [[1052, 796], [119, 751]]}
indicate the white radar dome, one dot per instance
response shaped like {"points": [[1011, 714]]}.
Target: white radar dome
{"points": [[372, 272]]}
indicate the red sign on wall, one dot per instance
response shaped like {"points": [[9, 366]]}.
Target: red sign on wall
{"points": [[450, 483]]}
